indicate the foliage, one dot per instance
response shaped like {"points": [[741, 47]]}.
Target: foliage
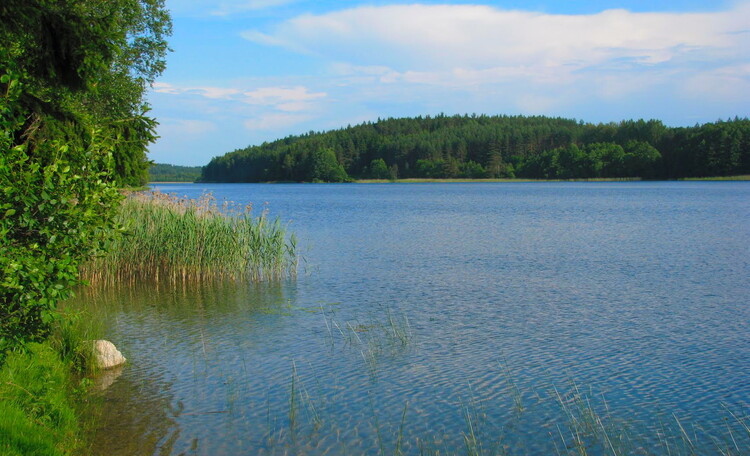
{"points": [[497, 147], [36, 413], [378, 169], [172, 239], [72, 79], [325, 168], [159, 172]]}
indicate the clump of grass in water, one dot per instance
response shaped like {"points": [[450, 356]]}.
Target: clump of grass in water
{"points": [[373, 339], [171, 239]]}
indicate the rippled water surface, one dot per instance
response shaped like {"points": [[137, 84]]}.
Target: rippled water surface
{"points": [[452, 318]]}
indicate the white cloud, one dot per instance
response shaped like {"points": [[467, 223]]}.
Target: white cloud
{"points": [[284, 98], [262, 109], [185, 127], [527, 61], [725, 83], [208, 92], [275, 121], [296, 98], [444, 37]]}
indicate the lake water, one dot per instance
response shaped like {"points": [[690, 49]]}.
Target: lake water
{"points": [[521, 318]]}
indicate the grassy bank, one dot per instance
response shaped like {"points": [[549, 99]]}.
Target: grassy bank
{"points": [[461, 180], [40, 390], [424, 181], [172, 239], [745, 177]]}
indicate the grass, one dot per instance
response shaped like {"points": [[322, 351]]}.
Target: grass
{"points": [[373, 339], [517, 180], [745, 177], [180, 240], [467, 180], [39, 392], [579, 422]]}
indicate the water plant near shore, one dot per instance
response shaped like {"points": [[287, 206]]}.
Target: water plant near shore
{"points": [[166, 238]]}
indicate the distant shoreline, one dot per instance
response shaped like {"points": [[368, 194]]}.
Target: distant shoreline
{"points": [[597, 179], [742, 178]]}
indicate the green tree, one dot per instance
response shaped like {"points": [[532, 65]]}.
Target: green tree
{"points": [[72, 127], [641, 159], [325, 168], [378, 169]]}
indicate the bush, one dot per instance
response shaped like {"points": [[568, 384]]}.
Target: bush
{"points": [[56, 209]]}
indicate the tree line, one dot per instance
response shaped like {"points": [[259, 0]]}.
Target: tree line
{"points": [[474, 146], [160, 172]]}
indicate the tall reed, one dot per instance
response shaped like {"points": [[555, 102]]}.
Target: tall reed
{"points": [[166, 238]]}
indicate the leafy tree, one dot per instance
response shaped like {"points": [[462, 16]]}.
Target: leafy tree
{"points": [[641, 159], [472, 170], [72, 127], [325, 168], [378, 169]]}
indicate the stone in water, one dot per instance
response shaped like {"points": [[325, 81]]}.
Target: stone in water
{"points": [[106, 354]]}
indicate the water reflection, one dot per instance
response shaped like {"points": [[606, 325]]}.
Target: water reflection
{"points": [[104, 379], [131, 416]]}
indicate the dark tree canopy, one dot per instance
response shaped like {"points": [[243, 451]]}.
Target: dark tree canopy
{"points": [[499, 146], [73, 75]]}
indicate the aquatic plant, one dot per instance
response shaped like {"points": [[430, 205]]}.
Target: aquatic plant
{"points": [[165, 238]]}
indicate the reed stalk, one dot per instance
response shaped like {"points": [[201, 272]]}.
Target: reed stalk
{"points": [[168, 239]]}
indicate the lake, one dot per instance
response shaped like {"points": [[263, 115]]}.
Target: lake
{"points": [[480, 318]]}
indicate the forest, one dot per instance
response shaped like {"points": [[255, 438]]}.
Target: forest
{"points": [[160, 172], [481, 146]]}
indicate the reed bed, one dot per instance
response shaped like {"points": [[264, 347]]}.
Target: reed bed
{"points": [[166, 238]]}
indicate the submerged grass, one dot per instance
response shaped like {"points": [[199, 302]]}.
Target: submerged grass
{"points": [[177, 240]]}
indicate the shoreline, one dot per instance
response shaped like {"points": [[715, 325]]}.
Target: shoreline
{"points": [[740, 178]]}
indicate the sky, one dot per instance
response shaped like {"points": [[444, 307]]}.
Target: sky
{"points": [[247, 71]]}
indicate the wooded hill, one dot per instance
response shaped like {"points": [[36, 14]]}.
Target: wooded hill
{"points": [[160, 172], [493, 147]]}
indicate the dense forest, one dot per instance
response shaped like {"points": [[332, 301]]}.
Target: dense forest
{"points": [[493, 147], [160, 172]]}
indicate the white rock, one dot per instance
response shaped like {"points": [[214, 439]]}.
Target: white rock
{"points": [[106, 354]]}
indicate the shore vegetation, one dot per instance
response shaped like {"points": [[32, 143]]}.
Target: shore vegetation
{"points": [[166, 238], [73, 129]]}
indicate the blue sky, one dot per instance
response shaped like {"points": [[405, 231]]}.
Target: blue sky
{"points": [[248, 71]]}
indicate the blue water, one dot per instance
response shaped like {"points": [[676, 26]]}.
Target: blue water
{"points": [[425, 315]]}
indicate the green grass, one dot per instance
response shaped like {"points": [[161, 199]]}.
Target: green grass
{"points": [[171, 239], [745, 177], [39, 392], [467, 180], [36, 416], [598, 179]]}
